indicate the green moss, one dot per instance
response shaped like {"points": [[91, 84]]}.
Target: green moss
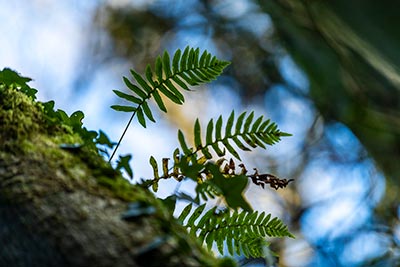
{"points": [[30, 136], [20, 117]]}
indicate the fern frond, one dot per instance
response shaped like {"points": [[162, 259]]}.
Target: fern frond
{"points": [[247, 132], [187, 68], [243, 232]]}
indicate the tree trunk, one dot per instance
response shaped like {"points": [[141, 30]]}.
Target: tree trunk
{"points": [[63, 207]]}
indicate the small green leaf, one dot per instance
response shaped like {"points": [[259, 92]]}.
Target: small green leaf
{"points": [[175, 91], [230, 149], [166, 64], [183, 144], [169, 94], [202, 58], [197, 135], [196, 214], [184, 59], [158, 100], [219, 238], [229, 124], [141, 82], [210, 128], [249, 141], [159, 69], [206, 153], [130, 98], [256, 124], [123, 163], [123, 108], [147, 111], [135, 89], [185, 213], [229, 242], [232, 188], [210, 239], [207, 60], [140, 117], [285, 134], [102, 139], [218, 129], [180, 83], [175, 61], [248, 121], [257, 140], [149, 75], [264, 125], [205, 218], [217, 150], [239, 123], [240, 144], [190, 63]]}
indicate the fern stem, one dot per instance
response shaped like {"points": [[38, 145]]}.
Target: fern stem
{"points": [[122, 136]]}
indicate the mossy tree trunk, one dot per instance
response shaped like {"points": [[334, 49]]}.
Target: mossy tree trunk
{"points": [[63, 207]]}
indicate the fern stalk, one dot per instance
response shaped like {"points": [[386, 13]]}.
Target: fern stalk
{"points": [[122, 136]]}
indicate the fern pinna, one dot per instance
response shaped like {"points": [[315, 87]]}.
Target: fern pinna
{"points": [[239, 227]]}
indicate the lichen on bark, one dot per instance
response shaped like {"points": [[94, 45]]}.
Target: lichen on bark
{"points": [[63, 208]]}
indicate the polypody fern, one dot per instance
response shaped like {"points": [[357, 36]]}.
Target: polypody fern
{"points": [[241, 229]]}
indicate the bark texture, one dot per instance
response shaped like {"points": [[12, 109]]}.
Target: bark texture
{"points": [[63, 208]]}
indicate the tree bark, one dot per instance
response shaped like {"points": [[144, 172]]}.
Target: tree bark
{"points": [[63, 208]]}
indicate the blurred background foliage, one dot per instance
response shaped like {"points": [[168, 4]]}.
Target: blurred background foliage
{"points": [[326, 71], [348, 82], [329, 72]]}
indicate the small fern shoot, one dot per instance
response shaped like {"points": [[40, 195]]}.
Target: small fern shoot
{"points": [[187, 68]]}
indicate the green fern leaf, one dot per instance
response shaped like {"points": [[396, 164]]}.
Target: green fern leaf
{"points": [[243, 232], [123, 108], [159, 69], [158, 100], [229, 124], [169, 94], [182, 142], [130, 98], [185, 70], [218, 129], [239, 123], [197, 134], [255, 133], [147, 111], [134, 88], [196, 213], [175, 61], [185, 212], [149, 75], [167, 64], [140, 117], [184, 59]]}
